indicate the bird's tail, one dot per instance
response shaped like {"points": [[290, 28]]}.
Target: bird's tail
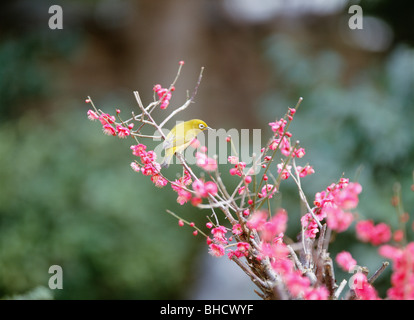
{"points": [[166, 163]]}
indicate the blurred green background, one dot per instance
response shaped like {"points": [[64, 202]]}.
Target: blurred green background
{"points": [[68, 196]]}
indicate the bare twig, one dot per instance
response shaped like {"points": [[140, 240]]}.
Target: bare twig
{"points": [[377, 273]]}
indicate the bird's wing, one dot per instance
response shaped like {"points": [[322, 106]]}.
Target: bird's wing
{"points": [[175, 137], [168, 142]]}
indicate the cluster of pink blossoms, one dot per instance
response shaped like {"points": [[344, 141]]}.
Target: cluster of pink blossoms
{"points": [[217, 245], [205, 162], [333, 204], [238, 166], [200, 189], [402, 278], [148, 166], [271, 232], [375, 234], [280, 136], [345, 261], [107, 124], [164, 95], [363, 289]]}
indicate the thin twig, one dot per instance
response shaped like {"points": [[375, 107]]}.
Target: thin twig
{"points": [[340, 288], [377, 273], [186, 104]]}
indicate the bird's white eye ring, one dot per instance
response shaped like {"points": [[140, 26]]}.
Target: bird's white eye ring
{"points": [[201, 126]]}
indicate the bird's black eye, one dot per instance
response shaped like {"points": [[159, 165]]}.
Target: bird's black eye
{"points": [[201, 126]]}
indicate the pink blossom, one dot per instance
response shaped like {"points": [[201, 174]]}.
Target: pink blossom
{"points": [[205, 162], [106, 118], [402, 278], [277, 225], [219, 234], [183, 196], [282, 265], [363, 289], [211, 188], [276, 249], [164, 95], [150, 169], [182, 181], [337, 219], [138, 150], [179, 184], [364, 228], [122, 131], [285, 147], [135, 167], [234, 171], [195, 201], [231, 254], [238, 169], [299, 153], [267, 190], [248, 179], [381, 234], [242, 190], [257, 220], [195, 143], [148, 157], [159, 181], [237, 229], [368, 232], [309, 225], [305, 171], [347, 198], [216, 250], [273, 145], [334, 202], [390, 252], [92, 115], [233, 159], [398, 235], [285, 171], [278, 127], [319, 293], [204, 189], [211, 165], [321, 198], [345, 261], [296, 283], [242, 249], [198, 187], [108, 130]]}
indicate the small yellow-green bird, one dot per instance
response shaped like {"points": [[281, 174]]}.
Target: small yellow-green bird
{"points": [[180, 138]]}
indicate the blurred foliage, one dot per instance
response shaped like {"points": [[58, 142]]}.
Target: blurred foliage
{"points": [[38, 293], [361, 127], [19, 75], [70, 198], [29, 53], [400, 16]]}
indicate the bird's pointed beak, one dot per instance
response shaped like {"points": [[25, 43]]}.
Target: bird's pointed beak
{"points": [[210, 128]]}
